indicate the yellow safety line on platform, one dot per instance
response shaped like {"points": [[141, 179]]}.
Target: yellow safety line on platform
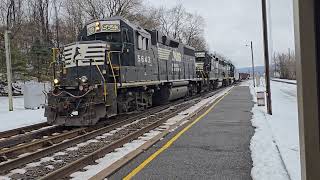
{"points": [[171, 141]]}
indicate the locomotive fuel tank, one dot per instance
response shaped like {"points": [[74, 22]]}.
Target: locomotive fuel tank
{"points": [[172, 91], [177, 92]]}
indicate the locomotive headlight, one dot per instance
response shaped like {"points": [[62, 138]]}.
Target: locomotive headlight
{"points": [[56, 81], [97, 26], [81, 88], [84, 79]]}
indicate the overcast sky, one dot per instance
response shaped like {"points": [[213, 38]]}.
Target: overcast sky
{"points": [[231, 24]]}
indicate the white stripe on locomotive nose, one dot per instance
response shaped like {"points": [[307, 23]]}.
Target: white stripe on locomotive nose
{"points": [[84, 49]]}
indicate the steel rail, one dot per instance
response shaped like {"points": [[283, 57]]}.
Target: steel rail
{"points": [[22, 130], [29, 147], [27, 137]]}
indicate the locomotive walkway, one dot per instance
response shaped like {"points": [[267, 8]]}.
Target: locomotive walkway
{"points": [[216, 147]]}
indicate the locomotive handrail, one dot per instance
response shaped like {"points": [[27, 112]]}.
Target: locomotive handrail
{"points": [[114, 77], [71, 94], [104, 81]]}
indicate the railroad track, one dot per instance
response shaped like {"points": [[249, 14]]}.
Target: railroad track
{"points": [[64, 163], [29, 136], [22, 130]]}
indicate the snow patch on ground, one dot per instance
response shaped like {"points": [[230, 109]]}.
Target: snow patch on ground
{"points": [[20, 116], [38, 163], [275, 144], [23, 170], [111, 158], [15, 171]]}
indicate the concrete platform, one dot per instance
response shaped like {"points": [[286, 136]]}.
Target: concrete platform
{"points": [[217, 147]]}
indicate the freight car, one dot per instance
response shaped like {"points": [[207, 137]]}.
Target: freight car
{"points": [[117, 67], [244, 76]]}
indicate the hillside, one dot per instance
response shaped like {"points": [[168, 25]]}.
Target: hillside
{"points": [[257, 69]]}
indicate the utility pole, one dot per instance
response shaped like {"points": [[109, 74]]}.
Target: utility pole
{"points": [[253, 73], [252, 63], [266, 55], [9, 68], [289, 52]]}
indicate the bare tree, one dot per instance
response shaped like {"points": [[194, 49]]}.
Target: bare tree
{"points": [[171, 21], [43, 18], [183, 26], [178, 18], [107, 8], [11, 13], [121, 7], [193, 31], [284, 65], [147, 17], [73, 21], [56, 7]]}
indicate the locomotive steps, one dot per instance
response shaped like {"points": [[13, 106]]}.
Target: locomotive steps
{"points": [[57, 161]]}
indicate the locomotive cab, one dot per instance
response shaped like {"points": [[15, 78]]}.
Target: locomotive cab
{"points": [[203, 64], [207, 68]]}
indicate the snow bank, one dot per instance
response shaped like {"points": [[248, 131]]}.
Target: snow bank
{"points": [[276, 133], [284, 125], [19, 116]]}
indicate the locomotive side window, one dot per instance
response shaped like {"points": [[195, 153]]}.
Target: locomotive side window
{"points": [[125, 35], [189, 52], [140, 43], [147, 43], [143, 43]]}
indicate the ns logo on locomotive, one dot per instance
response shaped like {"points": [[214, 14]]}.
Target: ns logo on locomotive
{"points": [[118, 67]]}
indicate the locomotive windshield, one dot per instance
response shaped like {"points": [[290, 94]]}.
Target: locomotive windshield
{"points": [[200, 56], [103, 30], [103, 26], [109, 37]]}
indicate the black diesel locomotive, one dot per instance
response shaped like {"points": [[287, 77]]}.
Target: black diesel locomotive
{"points": [[118, 67]]}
